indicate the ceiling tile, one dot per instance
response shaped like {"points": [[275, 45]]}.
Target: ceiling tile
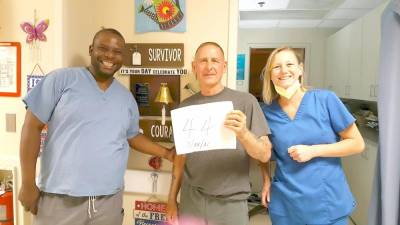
{"points": [[282, 14], [333, 13], [360, 4], [314, 4], [346, 13], [334, 23], [248, 24], [299, 23], [252, 5]]}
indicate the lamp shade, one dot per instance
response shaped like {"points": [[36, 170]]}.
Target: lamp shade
{"points": [[164, 95]]}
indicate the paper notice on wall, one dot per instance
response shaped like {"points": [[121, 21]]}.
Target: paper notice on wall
{"points": [[201, 128]]}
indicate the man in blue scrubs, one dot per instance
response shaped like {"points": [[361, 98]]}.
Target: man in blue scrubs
{"points": [[310, 131], [92, 121]]}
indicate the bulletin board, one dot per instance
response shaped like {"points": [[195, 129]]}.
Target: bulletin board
{"points": [[145, 89], [150, 64]]}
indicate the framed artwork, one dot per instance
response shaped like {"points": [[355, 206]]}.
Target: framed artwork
{"points": [[160, 16], [10, 69]]}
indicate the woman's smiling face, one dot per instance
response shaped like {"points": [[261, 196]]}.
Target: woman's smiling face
{"points": [[285, 69]]}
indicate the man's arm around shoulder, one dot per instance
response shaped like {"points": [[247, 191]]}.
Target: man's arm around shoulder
{"points": [[143, 144]]}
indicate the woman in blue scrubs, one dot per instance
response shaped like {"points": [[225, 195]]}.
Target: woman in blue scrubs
{"points": [[310, 131]]}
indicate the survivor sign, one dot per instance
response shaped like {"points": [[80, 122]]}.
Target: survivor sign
{"points": [[153, 71], [154, 55]]}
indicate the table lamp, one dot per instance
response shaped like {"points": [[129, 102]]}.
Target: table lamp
{"points": [[164, 97]]}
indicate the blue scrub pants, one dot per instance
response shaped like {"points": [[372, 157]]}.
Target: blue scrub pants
{"points": [[284, 220]]}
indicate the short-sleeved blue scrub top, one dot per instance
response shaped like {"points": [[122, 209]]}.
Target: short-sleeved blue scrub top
{"points": [[86, 149], [315, 191]]}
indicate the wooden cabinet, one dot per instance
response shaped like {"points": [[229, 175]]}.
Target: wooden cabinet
{"points": [[352, 58], [360, 171]]}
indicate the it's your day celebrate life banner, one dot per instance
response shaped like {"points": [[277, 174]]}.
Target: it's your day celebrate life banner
{"points": [[201, 127]]}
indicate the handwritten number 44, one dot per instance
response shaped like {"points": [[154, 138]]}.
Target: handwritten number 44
{"points": [[205, 127]]}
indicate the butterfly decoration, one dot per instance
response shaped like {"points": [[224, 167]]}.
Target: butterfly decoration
{"points": [[35, 31]]}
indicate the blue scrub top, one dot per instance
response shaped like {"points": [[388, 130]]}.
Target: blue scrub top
{"points": [[86, 149], [315, 191]]}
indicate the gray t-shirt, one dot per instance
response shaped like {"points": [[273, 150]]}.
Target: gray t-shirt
{"points": [[225, 173]]}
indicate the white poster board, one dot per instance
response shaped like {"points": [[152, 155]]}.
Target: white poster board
{"points": [[201, 127]]}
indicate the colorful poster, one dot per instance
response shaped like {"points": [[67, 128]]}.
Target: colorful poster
{"points": [[160, 15], [240, 67], [149, 213]]}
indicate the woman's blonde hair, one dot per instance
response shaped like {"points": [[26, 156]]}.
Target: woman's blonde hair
{"points": [[269, 93]]}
